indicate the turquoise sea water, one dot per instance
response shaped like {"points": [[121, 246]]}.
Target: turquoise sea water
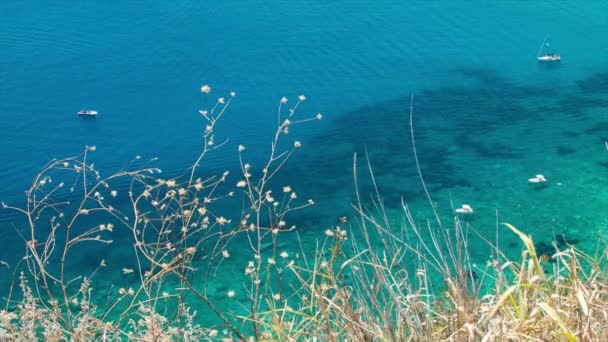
{"points": [[487, 115]]}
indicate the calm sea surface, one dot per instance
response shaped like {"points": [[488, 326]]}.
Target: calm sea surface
{"points": [[487, 115]]}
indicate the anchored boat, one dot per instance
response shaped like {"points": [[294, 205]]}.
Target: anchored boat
{"points": [[551, 57], [88, 113], [546, 57]]}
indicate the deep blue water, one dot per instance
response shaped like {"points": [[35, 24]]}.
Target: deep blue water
{"points": [[487, 115], [141, 65]]}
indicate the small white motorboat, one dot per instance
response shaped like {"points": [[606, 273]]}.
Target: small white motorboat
{"points": [[465, 209], [87, 112], [538, 179]]}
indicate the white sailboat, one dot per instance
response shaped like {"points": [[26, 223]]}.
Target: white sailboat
{"points": [[87, 112], [546, 57]]}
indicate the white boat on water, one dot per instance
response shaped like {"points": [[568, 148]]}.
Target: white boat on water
{"points": [[546, 57], [87, 112], [551, 57], [537, 179], [465, 209]]}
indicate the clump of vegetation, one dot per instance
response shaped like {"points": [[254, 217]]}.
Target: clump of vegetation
{"points": [[350, 288]]}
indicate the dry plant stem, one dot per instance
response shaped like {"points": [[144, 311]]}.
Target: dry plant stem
{"points": [[426, 191], [212, 121]]}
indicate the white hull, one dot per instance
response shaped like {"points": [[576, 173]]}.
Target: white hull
{"points": [[538, 179], [465, 209], [549, 58], [87, 112]]}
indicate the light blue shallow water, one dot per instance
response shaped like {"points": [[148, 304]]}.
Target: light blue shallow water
{"points": [[487, 115]]}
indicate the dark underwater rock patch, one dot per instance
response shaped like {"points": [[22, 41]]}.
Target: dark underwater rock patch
{"points": [[600, 127], [564, 150], [561, 241], [570, 133], [594, 83]]}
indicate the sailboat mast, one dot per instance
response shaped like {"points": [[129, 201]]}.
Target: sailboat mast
{"points": [[542, 46]]}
